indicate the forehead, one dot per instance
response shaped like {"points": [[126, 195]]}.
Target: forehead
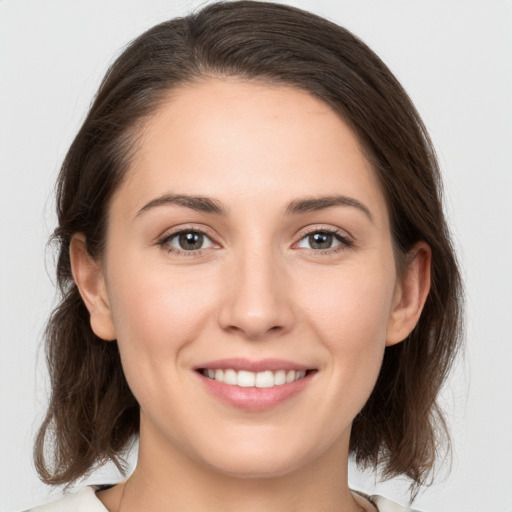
{"points": [[244, 140]]}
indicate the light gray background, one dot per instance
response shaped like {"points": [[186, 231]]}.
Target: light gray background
{"points": [[455, 60]]}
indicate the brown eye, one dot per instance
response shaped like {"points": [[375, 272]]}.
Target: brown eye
{"points": [[324, 240], [320, 240], [188, 241]]}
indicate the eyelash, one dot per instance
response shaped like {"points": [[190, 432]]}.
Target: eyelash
{"points": [[344, 241], [165, 242]]}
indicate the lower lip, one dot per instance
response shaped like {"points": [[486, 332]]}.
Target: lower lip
{"points": [[255, 399]]}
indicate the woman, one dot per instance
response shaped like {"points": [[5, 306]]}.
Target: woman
{"points": [[257, 278]]}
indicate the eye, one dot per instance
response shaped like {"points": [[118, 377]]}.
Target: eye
{"points": [[189, 240], [322, 240]]}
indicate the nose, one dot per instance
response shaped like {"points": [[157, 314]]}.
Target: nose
{"points": [[258, 298]]}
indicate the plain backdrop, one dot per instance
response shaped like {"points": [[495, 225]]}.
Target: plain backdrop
{"points": [[455, 60]]}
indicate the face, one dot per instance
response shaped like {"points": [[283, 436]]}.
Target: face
{"points": [[249, 278]]}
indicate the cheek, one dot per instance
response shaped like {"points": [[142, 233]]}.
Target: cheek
{"points": [[156, 316], [350, 315], [351, 308], [154, 309]]}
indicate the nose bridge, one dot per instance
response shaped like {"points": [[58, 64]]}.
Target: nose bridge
{"points": [[257, 301]]}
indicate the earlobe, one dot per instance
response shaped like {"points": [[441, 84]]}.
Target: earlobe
{"points": [[89, 278], [410, 294]]}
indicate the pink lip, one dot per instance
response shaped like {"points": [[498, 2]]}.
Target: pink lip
{"points": [[254, 399], [240, 363]]}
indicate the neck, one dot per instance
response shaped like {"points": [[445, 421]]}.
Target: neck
{"points": [[167, 479]]}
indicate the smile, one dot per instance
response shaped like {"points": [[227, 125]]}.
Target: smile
{"points": [[255, 385], [248, 379]]}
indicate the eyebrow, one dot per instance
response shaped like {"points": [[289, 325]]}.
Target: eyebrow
{"points": [[296, 207], [198, 203], [305, 205]]}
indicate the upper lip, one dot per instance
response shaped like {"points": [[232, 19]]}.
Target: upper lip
{"points": [[239, 363]]}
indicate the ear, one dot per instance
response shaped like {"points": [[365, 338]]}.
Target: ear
{"points": [[410, 294], [89, 278]]}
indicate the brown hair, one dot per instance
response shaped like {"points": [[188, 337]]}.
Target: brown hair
{"points": [[92, 414]]}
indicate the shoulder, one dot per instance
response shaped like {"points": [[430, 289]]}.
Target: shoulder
{"points": [[384, 504], [83, 501], [86, 501]]}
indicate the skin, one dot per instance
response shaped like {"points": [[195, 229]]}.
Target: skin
{"points": [[256, 289]]}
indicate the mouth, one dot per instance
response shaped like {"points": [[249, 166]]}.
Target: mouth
{"points": [[249, 379], [254, 385]]}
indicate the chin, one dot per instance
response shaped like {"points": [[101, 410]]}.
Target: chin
{"points": [[264, 456], [261, 467]]}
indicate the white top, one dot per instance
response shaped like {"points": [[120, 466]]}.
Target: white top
{"points": [[87, 501]]}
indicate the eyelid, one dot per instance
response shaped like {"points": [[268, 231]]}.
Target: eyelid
{"points": [[163, 240], [342, 236]]}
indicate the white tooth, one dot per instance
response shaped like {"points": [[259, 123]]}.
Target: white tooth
{"points": [[290, 376], [279, 377], [301, 374], [230, 377], [246, 379], [219, 375], [210, 373], [264, 379]]}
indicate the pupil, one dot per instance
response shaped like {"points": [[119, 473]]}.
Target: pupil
{"points": [[191, 241], [320, 240]]}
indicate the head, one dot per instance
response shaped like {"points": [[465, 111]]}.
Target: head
{"points": [[271, 53]]}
